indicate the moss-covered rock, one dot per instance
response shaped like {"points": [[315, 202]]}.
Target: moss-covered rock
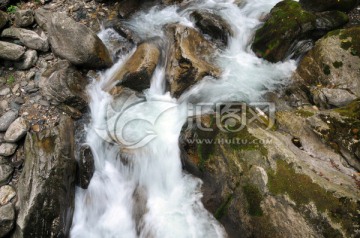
{"points": [[331, 69], [287, 24], [326, 5], [255, 179]]}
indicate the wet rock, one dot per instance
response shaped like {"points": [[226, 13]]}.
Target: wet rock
{"points": [[213, 25], [29, 38], [326, 5], [332, 64], [3, 19], [65, 36], [10, 51], [17, 130], [7, 218], [86, 166], [24, 18], [123, 30], [63, 84], [6, 194], [136, 73], [6, 170], [7, 119], [287, 24], [190, 59], [46, 187], [29, 60]]}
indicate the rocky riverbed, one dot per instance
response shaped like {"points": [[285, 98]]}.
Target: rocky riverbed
{"points": [[297, 178]]}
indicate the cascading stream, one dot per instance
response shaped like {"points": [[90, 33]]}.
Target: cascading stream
{"points": [[138, 188]]}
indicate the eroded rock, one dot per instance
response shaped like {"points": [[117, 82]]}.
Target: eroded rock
{"points": [[46, 187], [63, 84], [190, 59], [136, 73]]}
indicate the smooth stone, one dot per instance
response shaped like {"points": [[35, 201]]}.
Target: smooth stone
{"points": [[7, 119], [7, 193], [17, 130]]}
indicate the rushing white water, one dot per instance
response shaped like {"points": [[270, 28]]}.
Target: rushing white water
{"points": [[144, 192]]}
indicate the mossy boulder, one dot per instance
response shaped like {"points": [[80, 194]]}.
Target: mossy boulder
{"points": [[256, 178], [287, 24], [327, 5], [330, 71], [46, 187]]}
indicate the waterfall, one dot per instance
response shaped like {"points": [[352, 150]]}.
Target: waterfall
{"points": [[139, 188]]}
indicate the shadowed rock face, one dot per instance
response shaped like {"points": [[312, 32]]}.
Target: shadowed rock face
{"points": [[190, 59], [136, 73], [46, 187], [213, 25], [77, 43], [287, 24], [326, 5]]}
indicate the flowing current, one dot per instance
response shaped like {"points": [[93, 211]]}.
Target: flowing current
{"points": [[139, 188]]}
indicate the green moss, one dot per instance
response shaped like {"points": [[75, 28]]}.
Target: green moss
{"points": [[302, 190], [352, 110], [338, 64], [326, 69], [283, 26], [221, 211], [346, 44], [304, 113], [253, 198], [350, 40], [244, 140]]}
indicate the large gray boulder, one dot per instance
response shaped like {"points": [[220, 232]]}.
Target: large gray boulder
{"points": [[28, 60], [29, 38], [46, 187], [77, 43], [10, 51], [63, 84], [330, 69]]}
